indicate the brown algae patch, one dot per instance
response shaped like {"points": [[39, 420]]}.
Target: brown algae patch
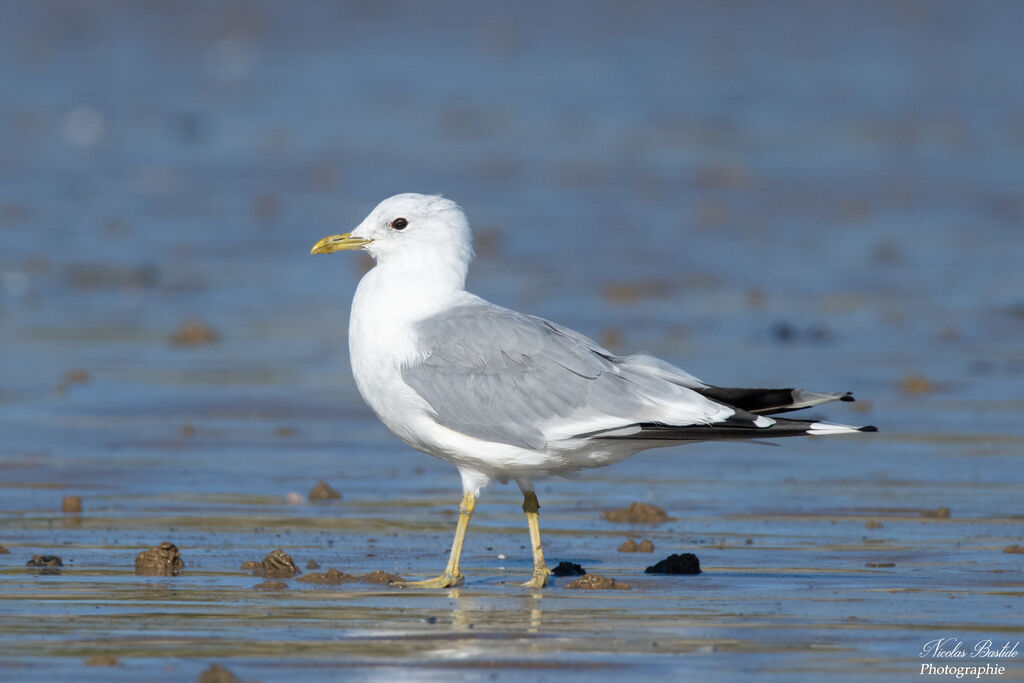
{"points": [[194, 333], [162, 560], [1013, 549], [45, 564], [218, 673], [685, 563], [380, 577], [334, 577], [102, 660], [596, 582], [637, 513], [277, 565], [631, 546], [937, 513], [324, 491], [71, 504], [915, 383], [4, 551], [77, 376]]}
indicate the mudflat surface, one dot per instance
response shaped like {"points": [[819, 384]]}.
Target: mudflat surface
{"points": [[822, 196]]}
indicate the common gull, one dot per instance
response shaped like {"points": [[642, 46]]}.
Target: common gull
{"points": [[505, 395]]}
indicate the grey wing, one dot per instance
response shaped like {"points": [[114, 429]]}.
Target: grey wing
{"points": [[503, 376]]}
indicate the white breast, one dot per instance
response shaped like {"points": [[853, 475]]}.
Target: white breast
{"points": [[382, 341]]}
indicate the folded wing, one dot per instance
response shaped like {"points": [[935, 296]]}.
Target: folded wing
{"points": [[507, 377]]}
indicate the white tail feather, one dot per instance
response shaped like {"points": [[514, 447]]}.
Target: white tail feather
{"points": [[823, 428]]}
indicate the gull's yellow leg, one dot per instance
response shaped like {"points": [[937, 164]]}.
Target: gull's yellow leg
{"points": [[451, 575], [540, 570]]}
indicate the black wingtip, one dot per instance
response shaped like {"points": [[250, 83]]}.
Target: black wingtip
{"points": [[848, 397], [868, 428]]}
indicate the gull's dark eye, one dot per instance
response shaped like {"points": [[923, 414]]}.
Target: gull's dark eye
{"points": [[399, 223]]}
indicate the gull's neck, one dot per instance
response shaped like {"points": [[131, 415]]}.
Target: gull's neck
{"points": [[404, 288]]}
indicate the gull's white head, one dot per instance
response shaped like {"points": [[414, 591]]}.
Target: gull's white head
{"points": [[411, 229]]}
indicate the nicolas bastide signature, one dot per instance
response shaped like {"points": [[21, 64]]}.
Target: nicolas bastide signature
{"points": [[955, 648]]}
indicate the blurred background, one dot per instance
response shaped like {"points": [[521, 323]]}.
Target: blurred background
{"points": [[829, 196], [826, 195]]}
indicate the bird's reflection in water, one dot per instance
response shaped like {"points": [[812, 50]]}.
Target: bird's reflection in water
{"points": [[469, 610]]}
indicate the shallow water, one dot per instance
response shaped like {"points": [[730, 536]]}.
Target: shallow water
{"points": [[821, 196]]}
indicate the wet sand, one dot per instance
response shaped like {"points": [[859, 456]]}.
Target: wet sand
{"points": [[787, 589], [843, 215]]}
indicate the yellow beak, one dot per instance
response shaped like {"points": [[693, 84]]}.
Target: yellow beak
{"points": [[333, 243]]}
